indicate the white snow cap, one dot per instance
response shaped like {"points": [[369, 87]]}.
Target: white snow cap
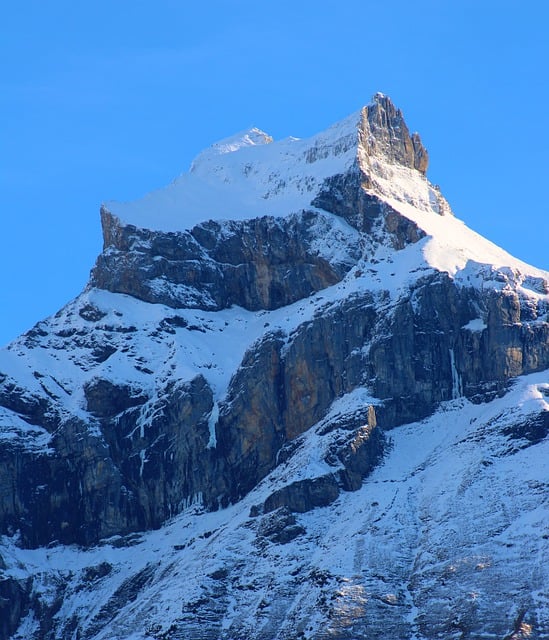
{"points": [[248, 138], [248, 175]]}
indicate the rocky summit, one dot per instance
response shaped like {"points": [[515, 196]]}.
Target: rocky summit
{"points": [[298, 399]]}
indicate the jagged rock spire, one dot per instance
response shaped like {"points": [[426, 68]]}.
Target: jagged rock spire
{"points": [[384, 132]]}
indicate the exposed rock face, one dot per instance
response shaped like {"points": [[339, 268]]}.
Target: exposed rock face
{"points": [[150, 455], [384, 132], [260, 365], [345, 195], [264, 263], [14, 603], [73, 492]]}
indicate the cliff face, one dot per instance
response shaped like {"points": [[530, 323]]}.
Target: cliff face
{"points": [[263, 363], [265, 263]]}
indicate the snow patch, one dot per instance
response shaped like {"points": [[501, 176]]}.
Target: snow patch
{"points": [[212, 423], [457, 387], [477, 324]]}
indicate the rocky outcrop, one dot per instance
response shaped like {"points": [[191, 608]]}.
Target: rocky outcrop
{"points": [[304, 495], [385, 133], [15, 600], [346, 195], [280, 527], [264, 263], [355, 453], [104, 398], [71, 493]]}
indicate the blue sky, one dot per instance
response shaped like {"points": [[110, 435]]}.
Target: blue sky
{"points": [[109, 100]]}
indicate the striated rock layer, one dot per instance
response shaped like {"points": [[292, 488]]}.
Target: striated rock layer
{"points": [[297, 365]]}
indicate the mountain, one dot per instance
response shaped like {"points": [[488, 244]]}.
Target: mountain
{"points": [[297, 399]]}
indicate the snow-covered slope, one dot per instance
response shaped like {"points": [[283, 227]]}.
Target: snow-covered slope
{"points": [[298, 399], [448, 535], [246, 176]]}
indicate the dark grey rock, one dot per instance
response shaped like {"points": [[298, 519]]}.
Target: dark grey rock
{"points": [[280, 526], [264, 263], [105, 399], [530, 431], [15, 600], [304, 495]]}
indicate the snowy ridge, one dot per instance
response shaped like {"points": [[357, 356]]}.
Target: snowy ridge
{"points": [[248, 138], [249, 175], [240, 180]]}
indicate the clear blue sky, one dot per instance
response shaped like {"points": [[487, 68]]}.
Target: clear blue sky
{"points": [[108, 100]]}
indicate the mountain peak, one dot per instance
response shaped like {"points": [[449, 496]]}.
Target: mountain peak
{"points": [[248, 138], [384, 133], [248, 175]]}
